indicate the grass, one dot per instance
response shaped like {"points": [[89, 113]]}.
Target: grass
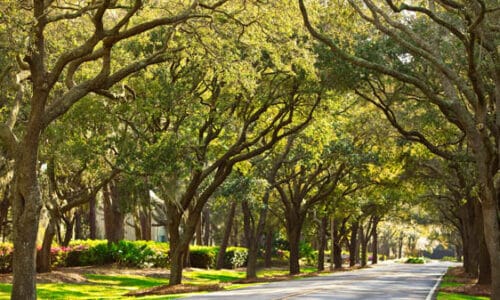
{"points": [[100, 287], [450, 296], [449, 281], [115, 286]]}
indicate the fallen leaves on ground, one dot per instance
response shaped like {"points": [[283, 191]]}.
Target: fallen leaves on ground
{"points": [[469, 286]]}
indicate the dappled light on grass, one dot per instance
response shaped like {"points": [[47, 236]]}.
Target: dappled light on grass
{"points": [[100, 286], [212, 276], [126, 280]]}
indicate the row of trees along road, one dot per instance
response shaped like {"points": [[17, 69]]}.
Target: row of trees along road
{"points": [[232, 104]]}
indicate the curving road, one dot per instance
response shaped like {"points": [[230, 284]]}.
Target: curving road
{"points": [[385, 281]]}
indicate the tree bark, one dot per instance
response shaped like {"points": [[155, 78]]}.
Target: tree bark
{"points": [[206, 226], [145, 220], [113, 216], [484, 276], [293, 233], [78, 225], [375, 241], [199, 232], [92, 218], [225, 239], [400, 246], [44, 263], [337, 249], [353, 242], [26, 207], [322, 243], [251, 271], [363, 240], [268, 248], [247, 225], [177, 258]]}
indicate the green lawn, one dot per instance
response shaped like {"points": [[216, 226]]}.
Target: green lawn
{"points": [[101, 287], [449, 296], [115, 286]]}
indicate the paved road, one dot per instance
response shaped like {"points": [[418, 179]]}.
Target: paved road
{"points": [[385, 281]]}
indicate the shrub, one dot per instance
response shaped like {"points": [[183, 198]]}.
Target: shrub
{"points": [[307, 251], [235, 257], [160, 257], [100, 254], [59, 255], [202, 256], [449, 258], [136, 254], [283, 254], [415, 260]]}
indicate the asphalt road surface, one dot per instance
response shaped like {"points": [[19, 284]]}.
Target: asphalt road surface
{"points": [[385, 281]]}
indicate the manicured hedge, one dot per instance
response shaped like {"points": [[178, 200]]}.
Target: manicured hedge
{"points": [[136, 254], [202, 256], [205, 257]]}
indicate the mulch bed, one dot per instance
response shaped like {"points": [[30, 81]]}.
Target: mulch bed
{"points": [[469, 286], [176, 289], [77, 274]]}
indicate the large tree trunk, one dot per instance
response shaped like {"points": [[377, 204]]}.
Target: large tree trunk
{"points": [[322, 243], [248, 225], [294, 224], [471, 232], [489, 181], [352, 243], [294, 239], [145, 221], [363, 240], [199, 232], [177, 257], [44, 263], [225, 239], [337, 248], [492, 240], [68, 234], [484, 276], [400, 246], [375, 241], [251, 271], [26, 207], [113, 215], [206, 226], [252, 235], [78, 225], [268, 248], [92, 218]]}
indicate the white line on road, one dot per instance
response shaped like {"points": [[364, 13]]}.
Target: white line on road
{"points": [[431, 293]]}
